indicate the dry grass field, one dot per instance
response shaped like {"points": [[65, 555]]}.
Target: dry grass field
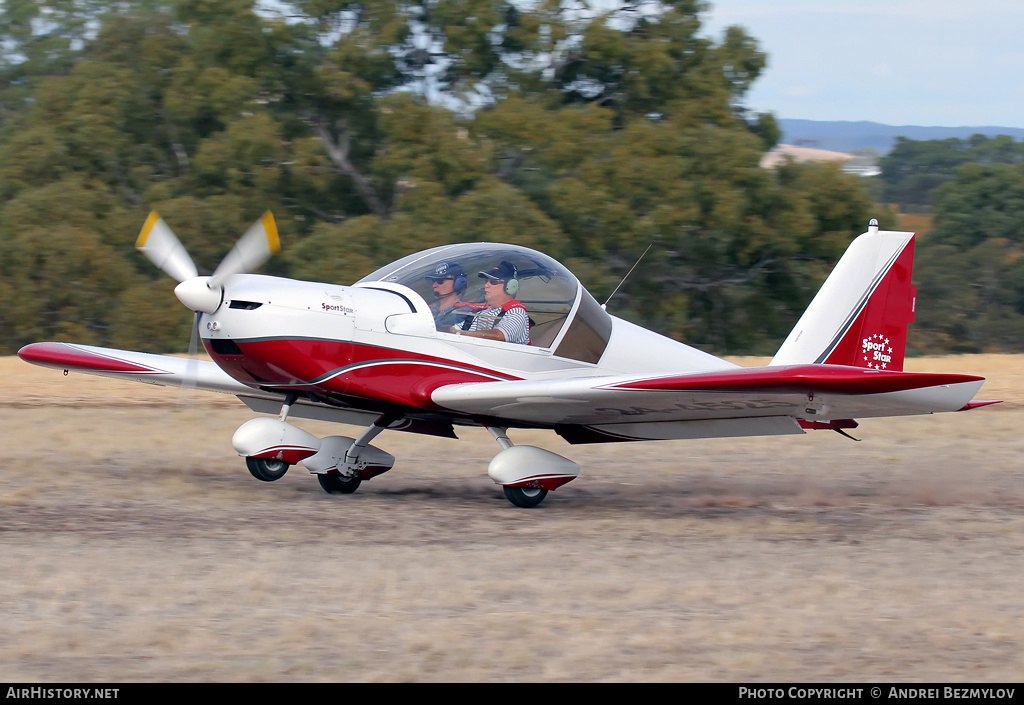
{"points": [[136, 547]]}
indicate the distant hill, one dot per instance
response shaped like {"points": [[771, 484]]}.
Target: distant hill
{"points": [[848, 136]]}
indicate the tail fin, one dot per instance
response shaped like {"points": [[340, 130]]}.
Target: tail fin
{"points": [[860, 315]]}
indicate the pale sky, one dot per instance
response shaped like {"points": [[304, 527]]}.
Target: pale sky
{"points": [[898, 62]]}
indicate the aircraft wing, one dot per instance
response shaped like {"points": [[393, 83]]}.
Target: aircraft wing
{"points": [[719, 403], [163, 370], [170, 371]]}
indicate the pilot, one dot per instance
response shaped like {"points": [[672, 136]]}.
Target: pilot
{"points": [[507, 318], [449, 283]]}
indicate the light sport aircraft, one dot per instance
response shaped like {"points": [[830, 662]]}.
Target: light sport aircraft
{"points": [[369, 354]]}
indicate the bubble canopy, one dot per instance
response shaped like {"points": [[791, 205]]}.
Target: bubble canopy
{"points": [[551, 294]]}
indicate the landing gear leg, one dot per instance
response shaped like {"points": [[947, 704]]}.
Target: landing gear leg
{"points": [[500, 435], [343, 463], [359, 444], [287, 406]]}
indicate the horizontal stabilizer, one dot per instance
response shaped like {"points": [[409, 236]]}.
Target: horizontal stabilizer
{"points": [[813, 392]]}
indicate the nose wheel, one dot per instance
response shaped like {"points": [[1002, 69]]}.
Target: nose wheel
{"points": [[336, 484]]}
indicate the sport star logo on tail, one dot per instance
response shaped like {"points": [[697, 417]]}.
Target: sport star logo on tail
{"points": [[876, 351]]}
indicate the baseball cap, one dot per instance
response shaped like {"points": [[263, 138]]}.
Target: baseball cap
{"points": [[506, 271], [446, 270]]}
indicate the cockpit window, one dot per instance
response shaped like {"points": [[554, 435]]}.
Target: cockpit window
{"points": [[588, 333], [546, 288]]}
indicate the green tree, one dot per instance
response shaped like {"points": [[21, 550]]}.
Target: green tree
{"points": [[971, 267], [915, 168]]}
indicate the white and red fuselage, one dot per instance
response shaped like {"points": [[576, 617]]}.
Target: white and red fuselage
{"points": [[375, 344]]}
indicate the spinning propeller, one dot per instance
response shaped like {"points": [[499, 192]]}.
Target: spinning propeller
{"points": [[204, 294]]}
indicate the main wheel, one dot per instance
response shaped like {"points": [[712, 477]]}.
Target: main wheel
{"points": [[266, 469], [525, 496], [336, 484]]}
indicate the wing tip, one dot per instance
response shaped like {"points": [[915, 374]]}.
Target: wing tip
{"points": [[977, 404], [37, 353], [70, 356]]}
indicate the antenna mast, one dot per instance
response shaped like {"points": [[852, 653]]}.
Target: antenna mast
{"points": [[605, 304]]}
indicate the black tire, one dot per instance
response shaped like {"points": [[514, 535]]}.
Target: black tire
{"points": [[525, 497], [266, 469], [336, 484]]}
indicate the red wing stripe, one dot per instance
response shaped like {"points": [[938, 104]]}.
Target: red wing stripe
{"points": [[64, 355], [544, 476], [800, 379]]}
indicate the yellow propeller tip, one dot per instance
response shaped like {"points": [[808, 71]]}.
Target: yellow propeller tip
{"points": [[270, 225], [146, 228]]}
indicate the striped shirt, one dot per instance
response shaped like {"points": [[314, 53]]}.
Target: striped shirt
{"points": [[515, 323]]}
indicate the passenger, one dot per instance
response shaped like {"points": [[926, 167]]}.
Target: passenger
{"points": [[507, 318], [449, 284]]}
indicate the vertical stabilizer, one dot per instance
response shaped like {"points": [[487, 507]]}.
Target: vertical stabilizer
{"points": [[860, 315]]}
